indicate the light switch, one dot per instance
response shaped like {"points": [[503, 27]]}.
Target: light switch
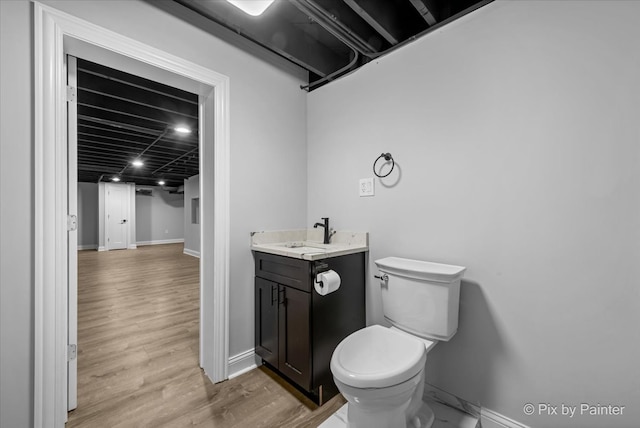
{"points": [[366, 187]]}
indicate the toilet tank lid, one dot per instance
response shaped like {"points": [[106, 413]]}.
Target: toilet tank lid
{"points": [[421, 270]]}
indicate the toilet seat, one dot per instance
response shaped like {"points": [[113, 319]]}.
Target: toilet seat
{"points": [[377, 357]]}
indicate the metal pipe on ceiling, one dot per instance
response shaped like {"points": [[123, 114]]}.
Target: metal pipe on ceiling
{"points": [[318, 14], [340, 31], [344, 71], [330, 77], [148, 147]]}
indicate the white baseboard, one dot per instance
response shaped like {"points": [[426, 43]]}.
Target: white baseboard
{"points": [[488, 418], [191, 252], [242, 363], [432, 392], [132, 247], [102, 248], [161, 241], [87, 247]]}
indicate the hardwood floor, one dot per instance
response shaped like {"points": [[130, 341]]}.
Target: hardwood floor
{"points": [[138, 352]]}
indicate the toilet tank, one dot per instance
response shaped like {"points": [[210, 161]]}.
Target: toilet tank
{"points": [[421, 298]]}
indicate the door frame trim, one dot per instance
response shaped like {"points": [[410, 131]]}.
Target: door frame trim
{"points": [[51, 29]]}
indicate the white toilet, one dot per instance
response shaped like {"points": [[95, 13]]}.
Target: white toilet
{"points": [[380, 370]]}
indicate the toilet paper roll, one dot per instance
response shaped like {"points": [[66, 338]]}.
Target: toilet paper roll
{"points": [[326, 282]]}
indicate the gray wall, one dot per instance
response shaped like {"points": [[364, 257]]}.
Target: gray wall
{"points": [[516, 136], [159, 216], [191, 230], [16, 215], [268, 123], [515, 130], [88, 215]]}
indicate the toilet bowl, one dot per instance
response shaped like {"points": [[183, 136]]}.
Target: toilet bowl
{"points": [[379, 370]]}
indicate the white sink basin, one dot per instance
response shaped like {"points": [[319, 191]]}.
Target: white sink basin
{"points": [[303, 247], [306, 250], [304, 244]]}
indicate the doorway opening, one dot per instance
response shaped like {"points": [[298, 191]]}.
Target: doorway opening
{"points": [[137, 311], [55, 35]]}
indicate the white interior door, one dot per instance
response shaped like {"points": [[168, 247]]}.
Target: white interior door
{"points": [[72, 235], [117, 213]]}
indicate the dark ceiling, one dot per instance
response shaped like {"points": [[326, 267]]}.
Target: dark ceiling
{"points": [[330, 38], [122, 117]]}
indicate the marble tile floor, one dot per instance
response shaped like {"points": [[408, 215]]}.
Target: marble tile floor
{"points": [[445, 417]]}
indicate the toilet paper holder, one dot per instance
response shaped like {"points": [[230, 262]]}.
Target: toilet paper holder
{"points": [[317, 269]]}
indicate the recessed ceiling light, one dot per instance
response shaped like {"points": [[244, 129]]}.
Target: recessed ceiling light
{"points": [[251, 7], [161, 182], [137, 162], [182, 129], [115, 179]]}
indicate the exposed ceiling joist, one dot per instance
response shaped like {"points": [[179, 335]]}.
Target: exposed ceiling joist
{"points": [[296, 37], [367, 13], [328, 38], [332, 24], [123, 117], [426, 9]]}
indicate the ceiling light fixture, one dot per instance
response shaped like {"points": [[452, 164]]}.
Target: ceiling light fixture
{"points": [[137, 162], [182, 129], [252, 7]]}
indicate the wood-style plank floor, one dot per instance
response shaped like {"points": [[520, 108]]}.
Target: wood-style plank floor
{"points": [[138, 313]]}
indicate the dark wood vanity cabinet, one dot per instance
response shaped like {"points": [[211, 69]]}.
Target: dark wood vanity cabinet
{"points": [[297, 329], [282, 330], [266, 325]]}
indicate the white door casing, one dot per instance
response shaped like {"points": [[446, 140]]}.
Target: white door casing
{"points": [[54, 33]]}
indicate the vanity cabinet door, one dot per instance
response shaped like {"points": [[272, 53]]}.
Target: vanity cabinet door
{"points": [[266, 320], [295, 345]]}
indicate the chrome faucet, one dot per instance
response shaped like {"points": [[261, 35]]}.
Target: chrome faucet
{"points": [[326, 229]]}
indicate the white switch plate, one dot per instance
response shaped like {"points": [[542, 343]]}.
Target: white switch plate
{"points": [[366, 187]]}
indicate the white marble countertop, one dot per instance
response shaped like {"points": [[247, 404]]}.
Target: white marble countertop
{"points": [[307, 244]]}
